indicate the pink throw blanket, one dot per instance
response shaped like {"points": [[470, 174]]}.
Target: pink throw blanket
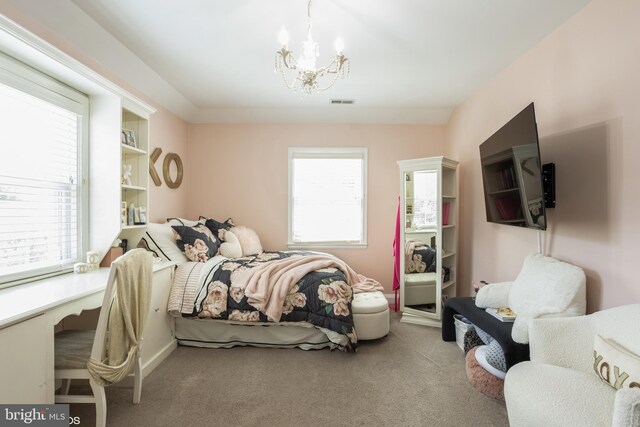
{"points": [[268, 285]]}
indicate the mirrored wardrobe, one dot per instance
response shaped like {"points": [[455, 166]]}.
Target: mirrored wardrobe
{"points": [[428, 237]]}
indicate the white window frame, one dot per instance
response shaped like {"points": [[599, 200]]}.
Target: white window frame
{"points": [[328, 153], [33, 82]]}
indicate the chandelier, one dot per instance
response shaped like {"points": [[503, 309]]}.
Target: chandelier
{"points": [[306, 79]]}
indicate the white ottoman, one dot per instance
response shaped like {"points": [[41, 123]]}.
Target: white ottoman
{"points": [[370, 315]]}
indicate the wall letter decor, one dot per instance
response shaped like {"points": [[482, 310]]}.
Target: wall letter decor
{"points": [[172, 157], [155, 154], [166, 168]]}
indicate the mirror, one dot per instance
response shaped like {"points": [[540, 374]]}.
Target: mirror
{"points": [[420, 287]]}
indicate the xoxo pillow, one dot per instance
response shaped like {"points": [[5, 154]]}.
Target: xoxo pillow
{"points": [[615, 365]]}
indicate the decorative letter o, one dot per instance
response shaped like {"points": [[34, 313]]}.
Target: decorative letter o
{"points": [[172, 157], [605, 371]]}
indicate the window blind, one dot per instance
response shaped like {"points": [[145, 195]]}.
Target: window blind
{"points": [[327, 197], [40, 184]]}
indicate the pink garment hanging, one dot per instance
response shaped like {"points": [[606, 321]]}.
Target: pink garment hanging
{"points": [[397, 252]]}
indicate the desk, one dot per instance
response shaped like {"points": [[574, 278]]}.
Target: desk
{"points": [[28, 315]]}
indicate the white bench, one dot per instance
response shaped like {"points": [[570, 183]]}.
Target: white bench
{"points": [[370, 315]]}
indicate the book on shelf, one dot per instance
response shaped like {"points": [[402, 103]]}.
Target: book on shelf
{"points": [[508, 208], [446, 208], [504, 314], [506, 179]]}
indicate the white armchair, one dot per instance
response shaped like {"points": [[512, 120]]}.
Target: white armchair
{"points": [[559, 386]]}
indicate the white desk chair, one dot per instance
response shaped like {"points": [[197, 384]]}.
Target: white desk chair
{"points": [[122, 318]]}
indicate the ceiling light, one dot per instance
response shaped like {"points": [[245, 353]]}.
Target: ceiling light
{"points": [[306, 74]]}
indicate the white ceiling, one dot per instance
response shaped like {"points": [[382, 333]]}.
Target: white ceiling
{"points": [[412, 61]]}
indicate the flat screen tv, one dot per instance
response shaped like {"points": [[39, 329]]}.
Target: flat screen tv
{"points": [[512, 174]]}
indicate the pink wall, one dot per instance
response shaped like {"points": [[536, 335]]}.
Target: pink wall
{"points": [[583, 79], [240, 171], [167, 131]]}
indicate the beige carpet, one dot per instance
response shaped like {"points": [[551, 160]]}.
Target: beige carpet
{"points": [[409, 378]]}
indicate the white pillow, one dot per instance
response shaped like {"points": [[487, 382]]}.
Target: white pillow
{"points": [[545, 286], [249, 240], [185, 222], [231, 247], [549, 284], [615, 365], [494, 295], [161, 240]]}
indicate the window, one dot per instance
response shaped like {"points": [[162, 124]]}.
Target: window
{"points": [[43, 196], [327, 196]]}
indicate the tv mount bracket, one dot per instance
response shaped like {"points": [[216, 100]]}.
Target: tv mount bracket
{"points": [[549, 185]]}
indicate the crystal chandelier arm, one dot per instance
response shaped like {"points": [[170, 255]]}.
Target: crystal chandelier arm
{"points": [[339, 67], [285, 61], [331, 83], [287, 58], [339, 64], [291, 86]]}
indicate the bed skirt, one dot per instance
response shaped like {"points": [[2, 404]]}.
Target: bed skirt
{"points": [[224, 334]]}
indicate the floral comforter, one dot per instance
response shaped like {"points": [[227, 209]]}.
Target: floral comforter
{"points": [[321, 298], [422, 260]]}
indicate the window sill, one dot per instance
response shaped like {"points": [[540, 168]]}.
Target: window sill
{"points": [[327, 245]]}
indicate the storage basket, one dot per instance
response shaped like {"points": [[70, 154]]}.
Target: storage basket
{"points": [[462, 326]]}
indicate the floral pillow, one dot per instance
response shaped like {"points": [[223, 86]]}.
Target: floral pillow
{"points": [[197, 242], [215, 226]]}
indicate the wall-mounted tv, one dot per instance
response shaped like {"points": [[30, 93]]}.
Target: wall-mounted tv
{"points": [[512, 174]]}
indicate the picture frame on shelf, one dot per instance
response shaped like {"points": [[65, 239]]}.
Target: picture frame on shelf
{"points": [[129, 138], [143, 215], [123, 213], [123, 138]]}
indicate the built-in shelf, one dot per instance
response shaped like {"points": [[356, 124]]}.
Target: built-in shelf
{"points": [[445, 285], [133, 187], [423, 230], [447, 196], [127, 149], [135, 157], [133, 227], [499, 192], [447, 254]]}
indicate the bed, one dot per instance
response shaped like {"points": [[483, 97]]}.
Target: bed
{"points": [[213, 307]]}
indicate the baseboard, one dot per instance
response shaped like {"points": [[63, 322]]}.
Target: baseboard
{"points": [[390, 298], [150, 365], [419, 320], [153, 363]]}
